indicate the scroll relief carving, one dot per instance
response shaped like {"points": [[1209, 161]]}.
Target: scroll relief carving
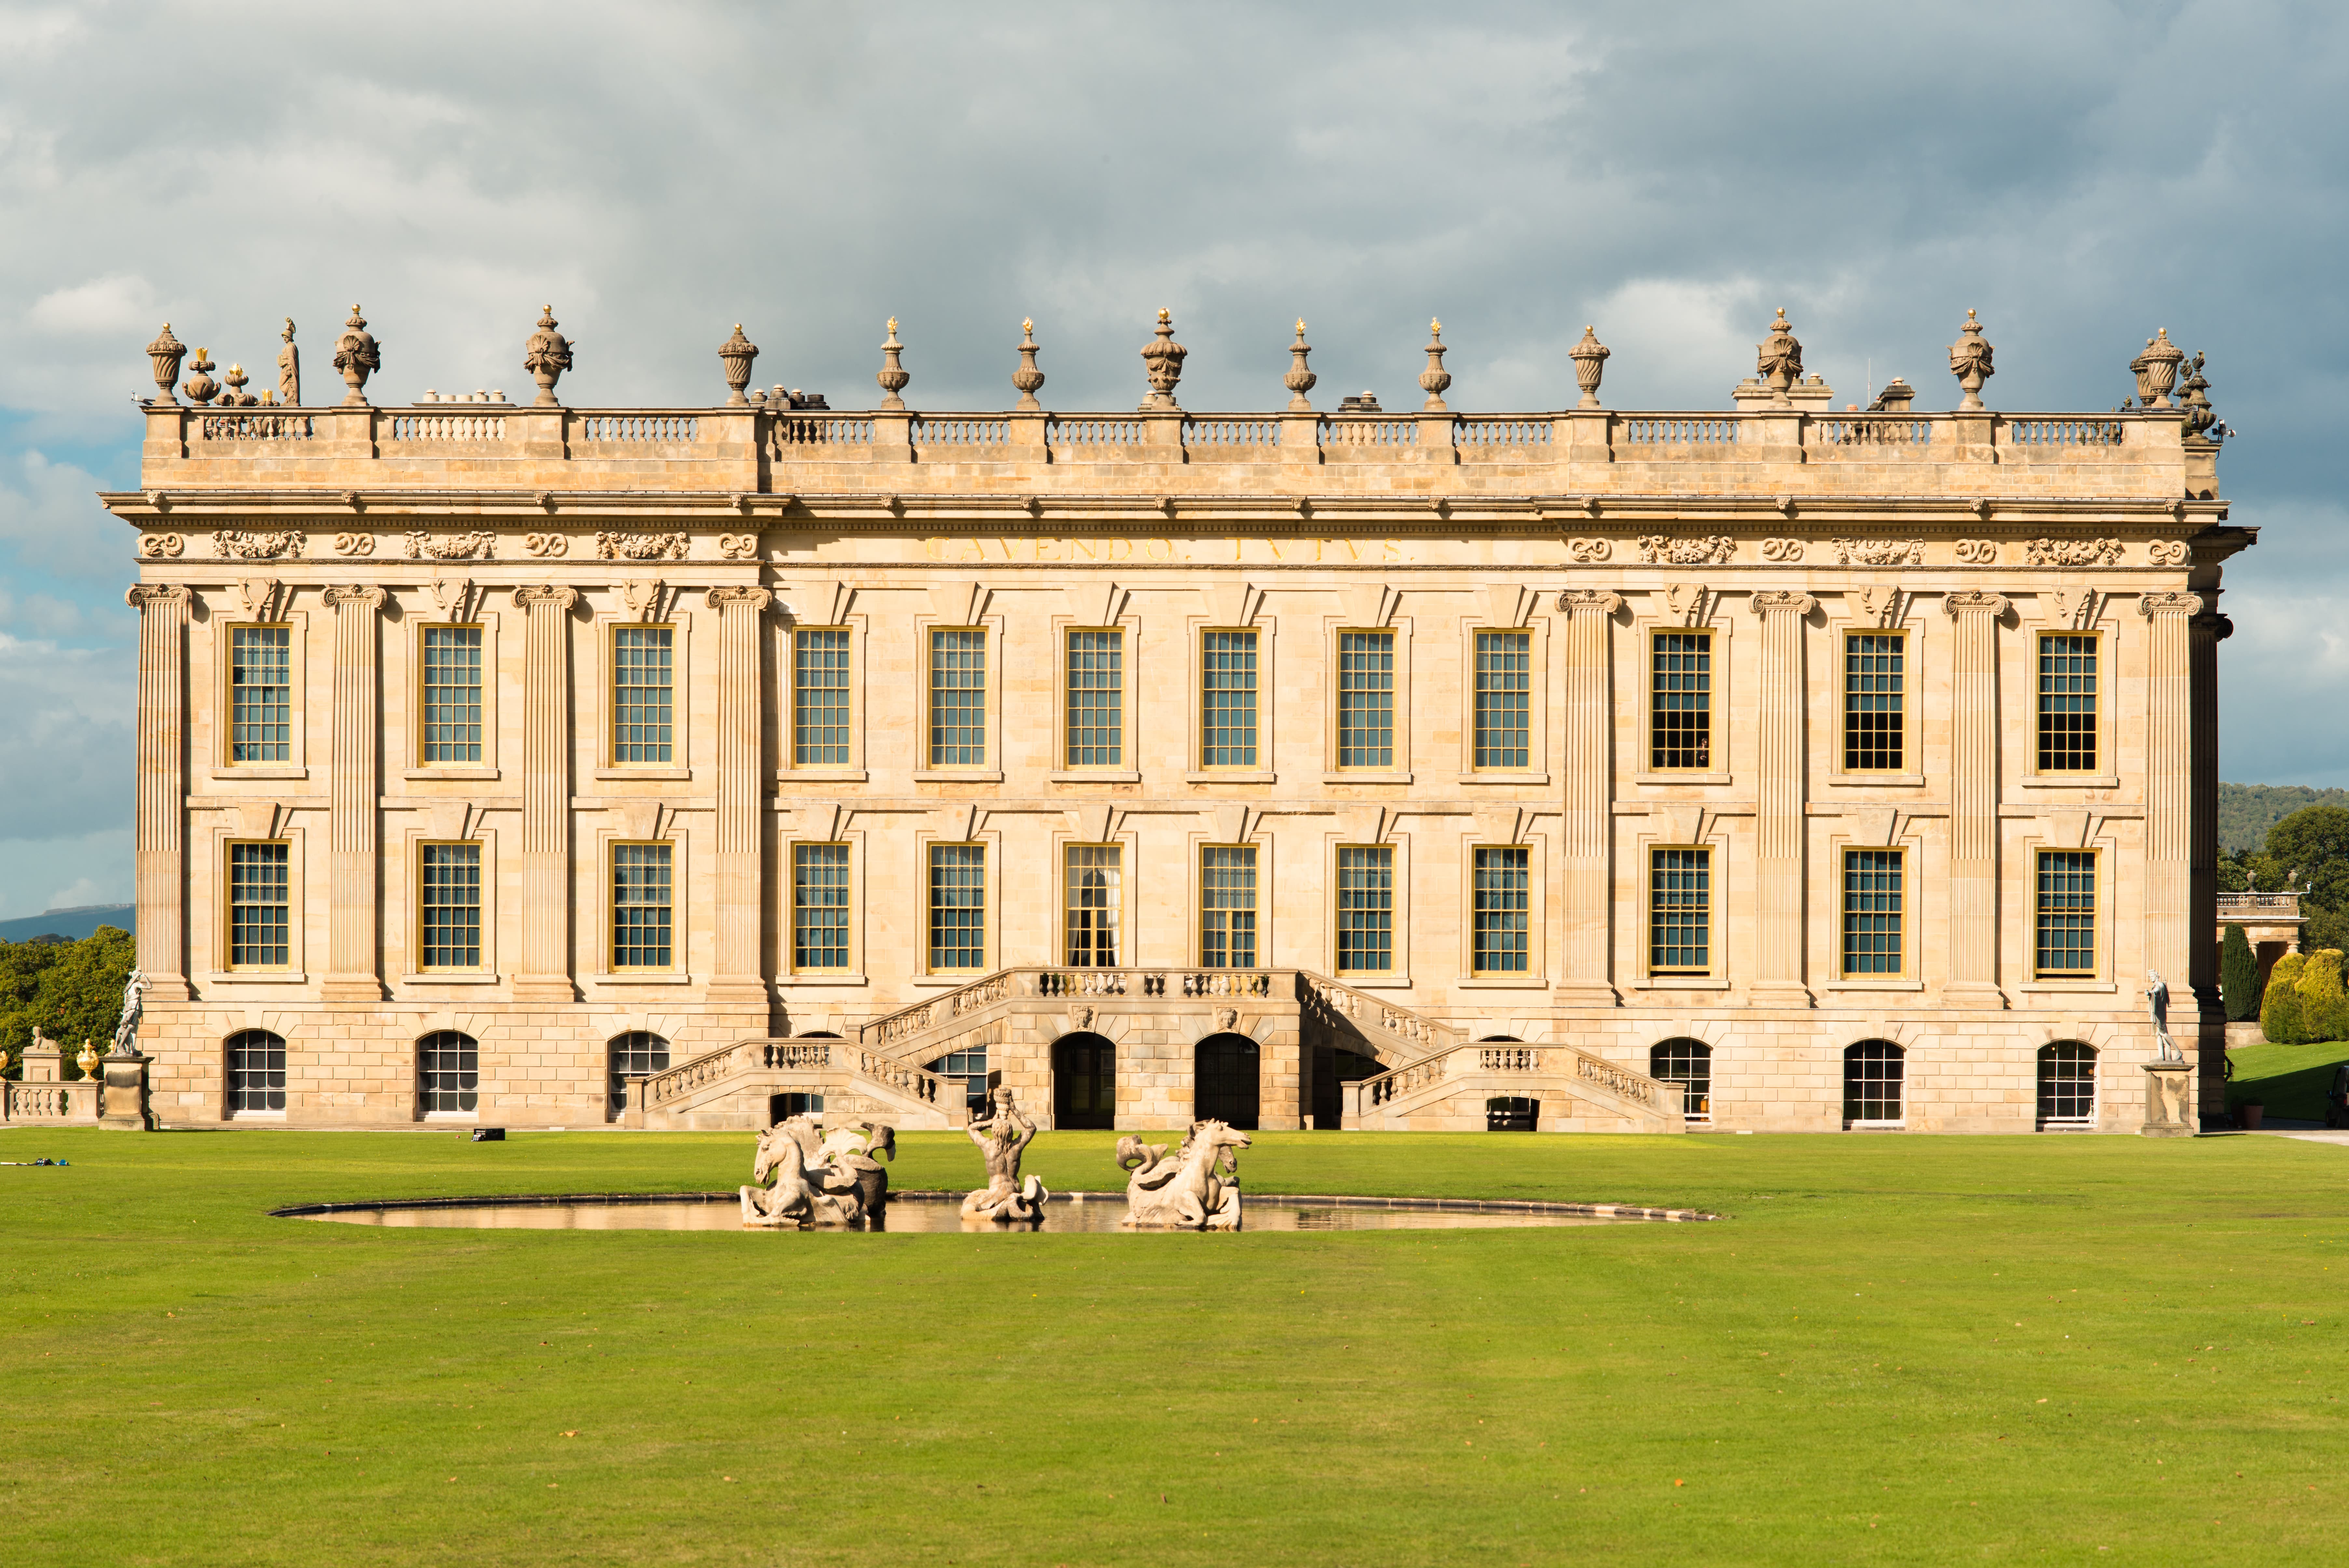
{"points": [[1782, 549], [161, 546], [738, 547], [481, 545], [2073, 551], [1977, 552], [235, 545], [546, 546], [1659, 549], [641, 546], [1588, 551], [354, 544], [1880, 552], [2166, 552]]}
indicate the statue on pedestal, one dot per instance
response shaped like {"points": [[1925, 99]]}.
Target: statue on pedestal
{"points": [[803, 1175], [1003, 1135], [2157, 996], [289, 369], [125, 1033], [1197, 1189]]}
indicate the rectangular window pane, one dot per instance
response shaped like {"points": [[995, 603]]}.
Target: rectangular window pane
{"points": [[1365, 910], [452, 694], [819, 906], [958, 699], [2067, 704], [2067, 912], [1090, 888], [1096, 690], [1227, 907], [450, 933], [1875, 689], [1680, 726], [1872, 896], [256, 1072], [260, 906], [260, 694], [957, 906], [643, 694], [1227, 700], [1502, 895], [1679, 911], [820, 697], [1505, 687], [641, 911], [1366, 699]]}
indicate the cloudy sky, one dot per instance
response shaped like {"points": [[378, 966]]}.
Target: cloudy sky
{"points": [[2079, 173]]}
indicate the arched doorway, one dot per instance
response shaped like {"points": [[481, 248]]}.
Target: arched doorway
{"points": [[1224, 1081], [1084, 1082]]}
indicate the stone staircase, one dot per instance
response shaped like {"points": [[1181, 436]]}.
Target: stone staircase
{"points": [[928, 1030], [1447, 1091], [732, 1086]]}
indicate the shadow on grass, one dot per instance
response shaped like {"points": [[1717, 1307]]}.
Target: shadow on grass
{"points": [[2290, 1080]]}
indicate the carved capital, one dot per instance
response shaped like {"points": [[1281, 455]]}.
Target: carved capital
{"points": [[1775, 601], [757, 598], [1974, 601], [343, 595], [541, 595], [1589, 601], [2152, 605], [156, 595]]}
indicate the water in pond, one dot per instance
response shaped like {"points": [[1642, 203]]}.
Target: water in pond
{"points": [[910, 1212]]}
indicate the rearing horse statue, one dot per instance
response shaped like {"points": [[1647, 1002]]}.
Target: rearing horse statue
{"points": [[818, 1179], [1197, 1190]]}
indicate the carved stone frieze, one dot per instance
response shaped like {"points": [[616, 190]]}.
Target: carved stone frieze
{"points": [[1711, 550], [1973, 601], [1977, 552], [480, 544], [1588, 551], [238, 545], [546, 546], [1784, 550], [2168, 552], [1880, 552], [2073, 551], [161, 546], [354, 544], [738, 547], [614, 547]]}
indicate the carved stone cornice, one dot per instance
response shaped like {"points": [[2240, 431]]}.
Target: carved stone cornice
{"points": [[2169, 604], [757, 598], [342, 594], [531, 597], [1777, 600], [143, 596], [1975, 601], [1585, 601]]}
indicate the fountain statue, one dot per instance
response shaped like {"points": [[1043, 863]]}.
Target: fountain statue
{"points": [[1003, 1134], [804, 1176], [1195, 1188]]}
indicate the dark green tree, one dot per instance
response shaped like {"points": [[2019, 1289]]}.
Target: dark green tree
{"points": [[2314, 844], [2238, 977], [72, 991]]}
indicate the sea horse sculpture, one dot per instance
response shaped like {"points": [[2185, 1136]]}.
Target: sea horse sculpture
{"points": [[819, 1179], [1003, 1134], [1197, 1189]]}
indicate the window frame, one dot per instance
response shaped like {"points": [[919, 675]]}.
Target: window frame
{"points": [[1850, 1122], [230, 1109], [1905, 941], [1531, 973], [1715, 974], [1397, 767], [228, 907], [668, 1053], [416, 1078], [1398, 975], [990, 906], [1911, 766], [1128, 768], [486, 873], [2099, 917], [851, 952], [683, 928], [989, 771], [2106, 768], [852, 695], [1723, 630], [1124, 910], [677, 703], [2041, 1121], [1700, 1118], [1263, 769], [486, 627], [1537, 769], [1260, 869], [785, 893], [295, 623], [1714, 740]]}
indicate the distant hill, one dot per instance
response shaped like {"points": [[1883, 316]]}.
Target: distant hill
{"points": [[72, 924], [2246, 812]]}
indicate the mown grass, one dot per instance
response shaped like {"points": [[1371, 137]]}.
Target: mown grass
{"points": [[2290, 1080], [1895, 1350]]}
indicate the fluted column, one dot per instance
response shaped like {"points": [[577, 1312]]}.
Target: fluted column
{"points": [[1778, 802], [545, 974], [1586, 836], [2208, 631], [1973, 802], [352, 801], [2171, 943], [741, 716], [162, 835]]}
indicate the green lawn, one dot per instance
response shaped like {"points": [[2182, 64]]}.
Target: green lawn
{"points": [[1895, 1350], [2290, 1080]]}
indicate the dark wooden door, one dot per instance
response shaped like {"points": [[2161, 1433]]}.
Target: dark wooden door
{"points": [[1225, 1083], [1084, 1083]]}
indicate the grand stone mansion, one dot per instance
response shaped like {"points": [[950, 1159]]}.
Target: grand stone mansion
{"points": [[1782, 767]]}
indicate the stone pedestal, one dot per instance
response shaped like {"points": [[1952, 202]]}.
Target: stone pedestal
{"points": [[123, 1091], [2169, 1099]]}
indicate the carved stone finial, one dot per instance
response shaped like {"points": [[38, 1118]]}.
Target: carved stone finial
{"points": [[1027, 379], [236, 396], [2201, 418], [289, 369], [1301, 377], [1435, 378], [737, 354], [166, 352], [1589, 356], [357, 356], [1780, 361], [546, 355], [1163, 358], [1970, 361], [892, 374], [200, 387], [2156, 370]]}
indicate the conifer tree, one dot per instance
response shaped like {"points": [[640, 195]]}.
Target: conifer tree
{"points": [[2238, 977]]}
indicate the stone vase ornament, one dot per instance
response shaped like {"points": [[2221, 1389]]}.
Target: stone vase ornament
{"points": [[737, 354], [236, 397], [357, 356], [165, 353], [1589, 356], [201, 387], [892, 374], [1300, 378], [546, 357], [2201, 418], [1027, 379], [1970, 362], [2156, 370], [1435, 380], [1163, 358], [1779, 361]]}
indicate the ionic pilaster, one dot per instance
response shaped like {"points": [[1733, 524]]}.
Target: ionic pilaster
{"points": [[1586, 836], [160, 836], [545, 974], [351, 807], [1778, 801], [1974, 801], [742, 711], [2170, 941]]}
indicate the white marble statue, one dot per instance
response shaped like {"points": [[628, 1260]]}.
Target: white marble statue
{"points": [[2156, 997], [125, 1033], [1003, 1134], [1195, 1188], [804, 1176]]}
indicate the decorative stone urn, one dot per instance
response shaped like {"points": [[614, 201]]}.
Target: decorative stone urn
{"points": [[1779, 362], [1301, 377], [2156, 370], [1589, 356], [1027, 379], [1163, 356], [736, 354], [201, 387], [1970, 361], [892, 374], [1435, 378], [357, 356], [547, 356], [166, 352]]}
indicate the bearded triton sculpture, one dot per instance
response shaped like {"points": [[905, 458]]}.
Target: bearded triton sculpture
{"points": [[1197, 1189], [804, 1176], [1003, 1134]]}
